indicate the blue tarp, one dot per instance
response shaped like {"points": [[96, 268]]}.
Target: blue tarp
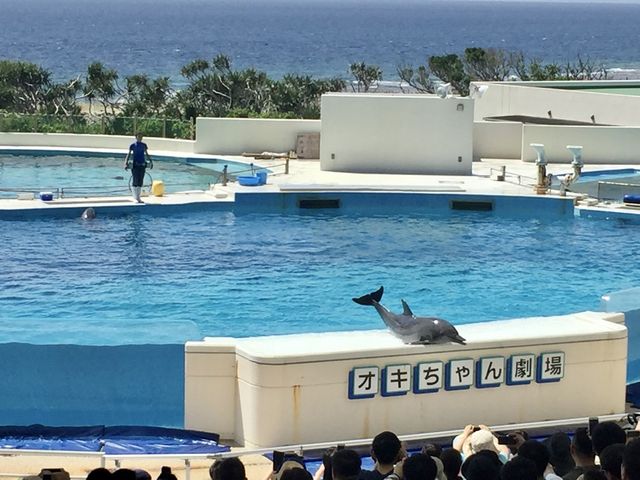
{"points": [[110, 440]]}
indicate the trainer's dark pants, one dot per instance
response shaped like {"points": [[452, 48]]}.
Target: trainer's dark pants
{"points": [[137, 171]]}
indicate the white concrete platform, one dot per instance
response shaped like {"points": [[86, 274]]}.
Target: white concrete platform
{"points": [[299, 389]]}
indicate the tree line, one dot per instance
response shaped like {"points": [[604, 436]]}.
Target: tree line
{"points": [[215, 88]]}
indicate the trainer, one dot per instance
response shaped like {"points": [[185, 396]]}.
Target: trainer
{"points": [[141, 160]]}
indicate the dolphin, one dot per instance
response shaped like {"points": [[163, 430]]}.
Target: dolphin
{"points": [[89, 214], [409, 328]]}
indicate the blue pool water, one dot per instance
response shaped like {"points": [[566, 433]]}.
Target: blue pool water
{"points": [[144, 279], [98, 175]]}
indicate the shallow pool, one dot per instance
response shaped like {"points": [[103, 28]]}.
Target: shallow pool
{"points": [[74, 174], [144, 279]]}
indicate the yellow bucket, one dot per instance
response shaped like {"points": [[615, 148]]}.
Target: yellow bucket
{"points": [[157, 188]]}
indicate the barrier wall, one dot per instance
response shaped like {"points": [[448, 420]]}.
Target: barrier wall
{"points": [[522, 99], [234, 136], [410, 134], [72, 140], [601, 145], [296, 389], [497, 140]]}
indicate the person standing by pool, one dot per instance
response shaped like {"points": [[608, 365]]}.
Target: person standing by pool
{"points": [[141, 160]]}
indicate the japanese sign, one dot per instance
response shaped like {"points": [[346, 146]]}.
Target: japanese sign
{"points": [[456, 374]]}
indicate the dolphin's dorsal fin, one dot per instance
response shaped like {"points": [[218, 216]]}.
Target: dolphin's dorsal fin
{"points": [[406, 310]]}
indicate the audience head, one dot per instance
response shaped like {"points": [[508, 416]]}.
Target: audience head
{"points": [[451, 461], [385, 448], [432, 449], [419, 467], [99, 474], [581, 446], [484, 465], [482, 440], [559, 446], [326, 462], [296, 473], [538, 453], [142, 474], [631, 461], [166, 474], [519, 468], [230, 468], [123, 474], [611, 460], [605, 434], [346, 464]]}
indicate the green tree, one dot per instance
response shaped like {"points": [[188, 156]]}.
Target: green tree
{"points": [[487, 64], [450, 69], [298, 96], [101, 86], [419, 79], [146, 98], [365, 75], [28, 88]]}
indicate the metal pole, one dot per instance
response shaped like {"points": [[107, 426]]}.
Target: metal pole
{"points": [[286, 166], [225, 176], [187, 469], [164, 127]]}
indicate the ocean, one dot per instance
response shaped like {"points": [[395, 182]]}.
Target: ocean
{"points": [[312, 37]]}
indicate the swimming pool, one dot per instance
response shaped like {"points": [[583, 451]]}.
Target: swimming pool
{"points": [[94, 315], [83, 174], [144, 279]]}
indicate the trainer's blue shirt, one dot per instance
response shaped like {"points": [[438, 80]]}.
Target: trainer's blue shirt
{"points": [[138, 149]]}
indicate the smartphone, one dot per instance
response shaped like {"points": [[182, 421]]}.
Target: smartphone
{"points": [[593, 421], [507, 440]]}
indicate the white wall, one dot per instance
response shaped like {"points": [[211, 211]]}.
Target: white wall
{"points": [[294, 389], [600, 144], [497, 140], [71, 140], [378, 133], [520, 99], [234, 136]]}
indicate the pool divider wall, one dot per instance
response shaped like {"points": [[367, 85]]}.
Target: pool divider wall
{"points": [[336, 201], [307, 388]]}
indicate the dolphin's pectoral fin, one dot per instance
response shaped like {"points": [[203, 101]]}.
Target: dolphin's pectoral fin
{"points": [[458, 339], [369, 297], [424, 340], [406, 310]]}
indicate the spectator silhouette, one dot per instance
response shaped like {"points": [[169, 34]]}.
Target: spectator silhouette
{"points": [[605, 434], [419, 467], [519, 468], [451, 461], [582, 453], [611, 461], [386, 451], [345, 464]]}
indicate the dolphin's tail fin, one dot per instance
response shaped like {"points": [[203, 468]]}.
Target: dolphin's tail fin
{"points": [[370, 297]]}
